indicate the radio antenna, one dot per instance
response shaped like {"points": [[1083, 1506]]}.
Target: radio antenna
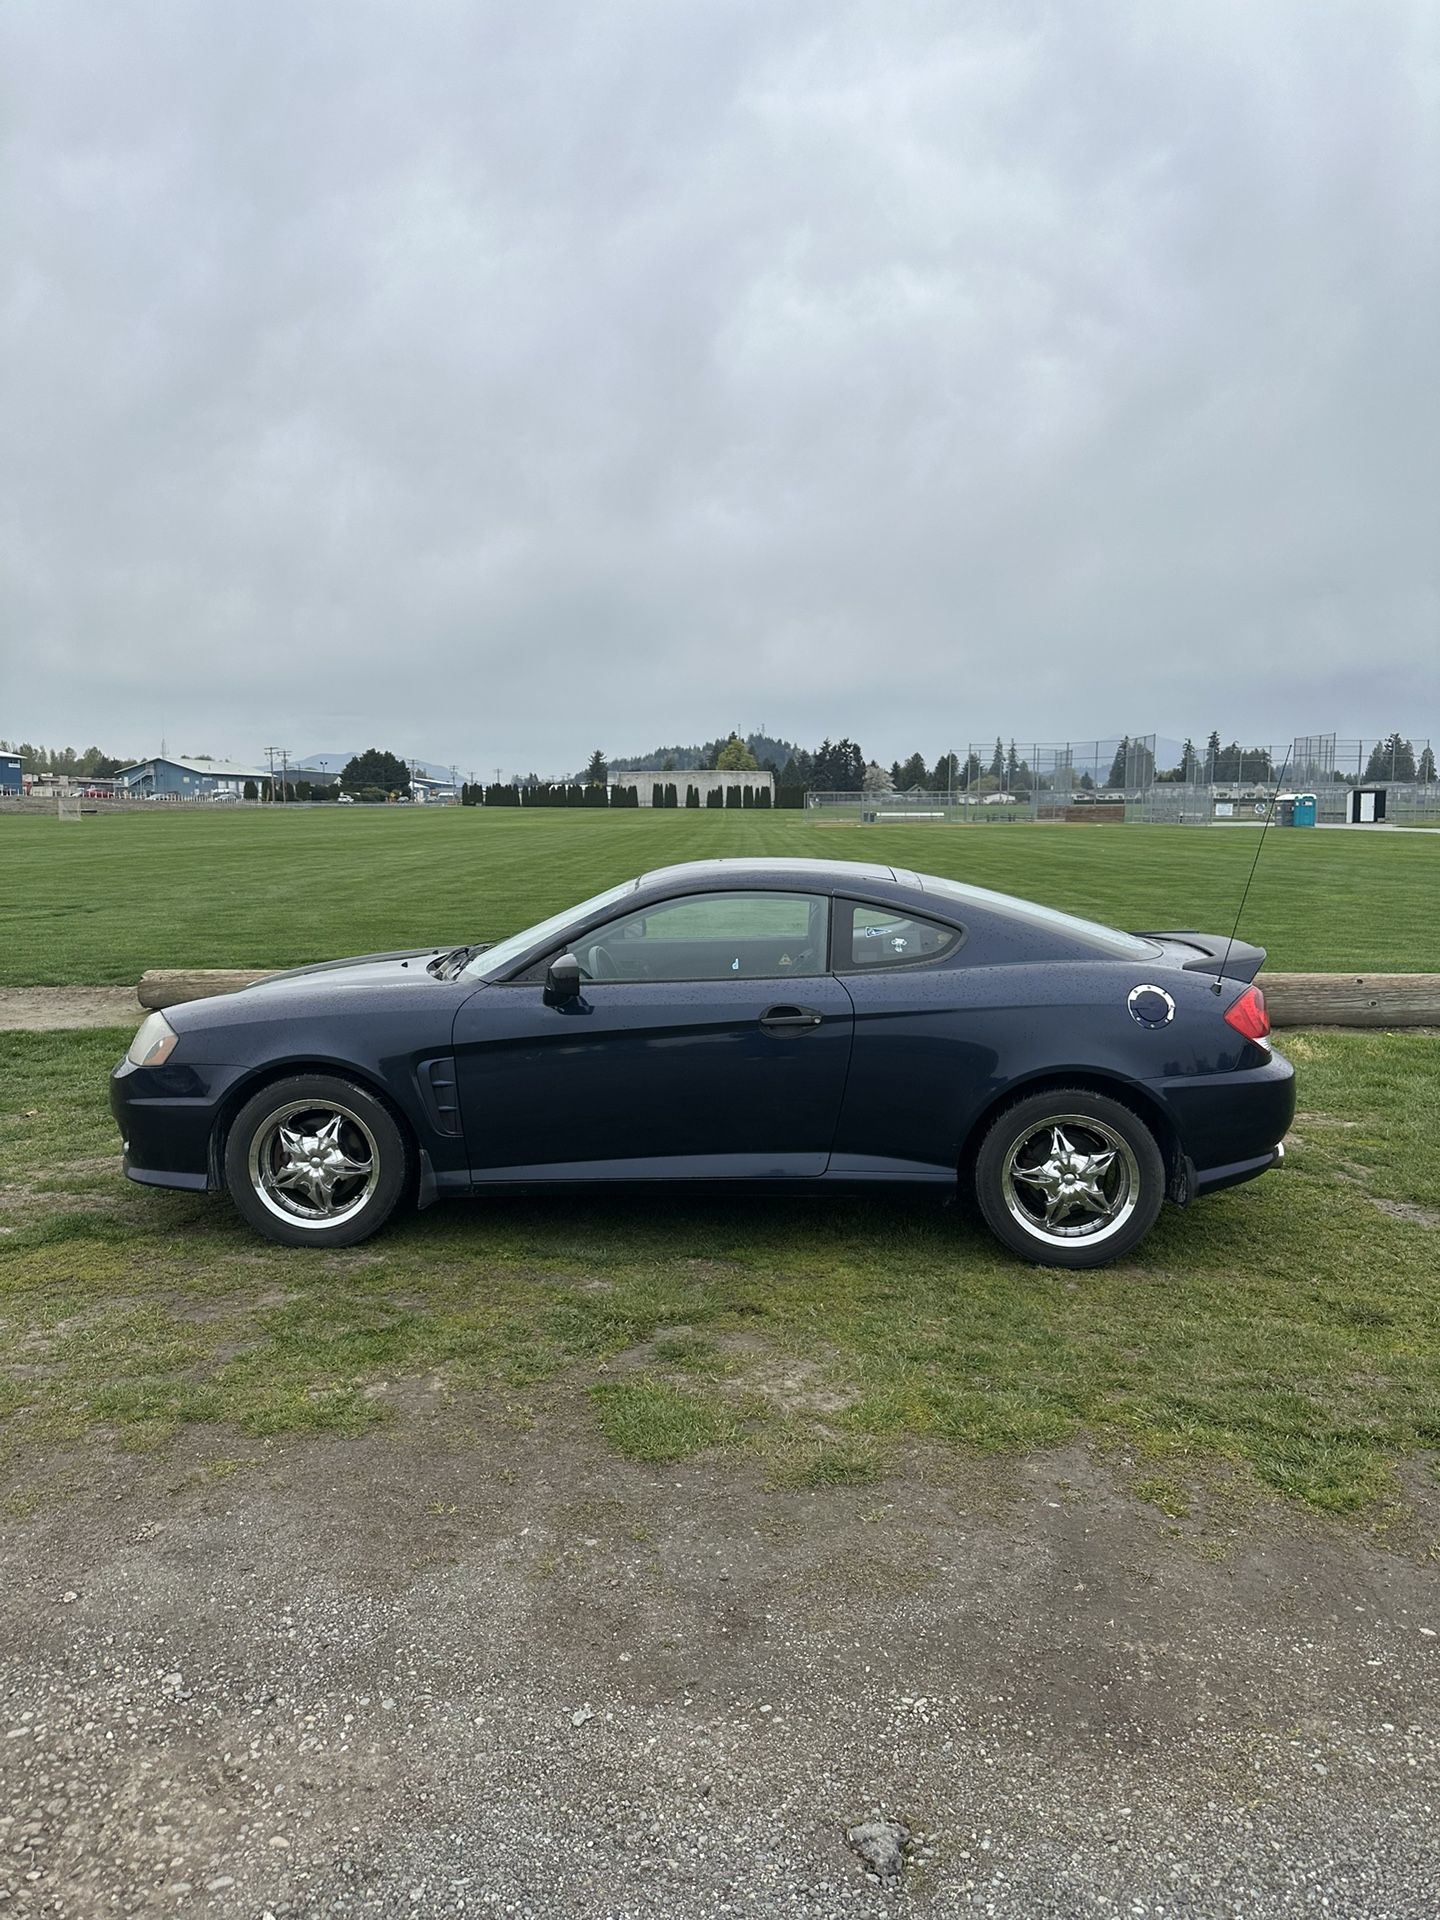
{"points": [[1259, 847]]}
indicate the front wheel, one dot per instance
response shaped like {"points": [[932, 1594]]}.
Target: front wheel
{"points": [[1069, 1179], [315, 1161]]}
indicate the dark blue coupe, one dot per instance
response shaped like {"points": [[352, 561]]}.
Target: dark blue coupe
{"points": [[776, 1021]]}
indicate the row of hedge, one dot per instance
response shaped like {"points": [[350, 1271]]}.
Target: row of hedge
{"points": [[663, 793]]}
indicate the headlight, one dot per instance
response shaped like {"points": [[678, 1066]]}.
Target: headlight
{"points": [[154, 1043]]}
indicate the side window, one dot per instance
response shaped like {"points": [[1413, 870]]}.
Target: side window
{"points": [[711, 936], [869, 937]]}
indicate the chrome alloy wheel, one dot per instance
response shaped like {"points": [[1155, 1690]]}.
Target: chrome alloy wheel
{"points": [[1071, 1178], [314, 1165]]}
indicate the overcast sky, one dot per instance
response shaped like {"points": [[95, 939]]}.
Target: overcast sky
{"points": [[489, 382]]}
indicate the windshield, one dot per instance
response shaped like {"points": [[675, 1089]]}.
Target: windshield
{"points": [[1089, 933], [505, 952]]}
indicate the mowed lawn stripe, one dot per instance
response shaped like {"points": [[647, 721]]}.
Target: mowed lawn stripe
{"points": [[97, 901]]}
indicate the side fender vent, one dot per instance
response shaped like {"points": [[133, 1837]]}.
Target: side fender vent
{"points": [[440, 1093]]}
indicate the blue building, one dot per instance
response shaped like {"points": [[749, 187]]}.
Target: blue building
{"points": [[10, 781], [174, 779]]}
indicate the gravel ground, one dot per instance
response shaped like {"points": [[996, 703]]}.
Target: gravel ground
{"points": [[460, 1667], [41, 1009]]}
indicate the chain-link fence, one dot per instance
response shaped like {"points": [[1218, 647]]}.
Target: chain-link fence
{"points": [[1143, 777]]}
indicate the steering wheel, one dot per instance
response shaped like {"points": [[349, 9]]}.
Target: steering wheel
{"points": [[602, 964]]}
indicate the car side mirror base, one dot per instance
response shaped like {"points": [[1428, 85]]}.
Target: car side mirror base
{"points": [[562, 981]]}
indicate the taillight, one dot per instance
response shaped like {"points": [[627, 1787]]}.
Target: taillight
{"points": [[1248, 1016]]}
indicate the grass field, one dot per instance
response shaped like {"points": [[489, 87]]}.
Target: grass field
{"points": [[1286, 1333], [97, 901]]}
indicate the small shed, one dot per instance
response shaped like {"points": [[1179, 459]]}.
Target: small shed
{"points": [[1367, 806]]}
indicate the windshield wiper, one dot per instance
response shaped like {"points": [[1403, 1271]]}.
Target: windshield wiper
{"points": [[449, 966]]}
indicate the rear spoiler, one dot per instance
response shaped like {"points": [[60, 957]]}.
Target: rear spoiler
{"points": [[1205, 953]]}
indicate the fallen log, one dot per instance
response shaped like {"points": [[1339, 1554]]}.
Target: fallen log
{"points": [[162, 987], [1352, 999], [1294, 999]]}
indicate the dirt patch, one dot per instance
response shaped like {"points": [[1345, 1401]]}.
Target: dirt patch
{"points": [[795, 1386], [1407, 1210], [52, 1009]]}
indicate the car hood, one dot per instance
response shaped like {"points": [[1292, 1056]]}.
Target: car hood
{"points": [[363, 970], [371, 983], [402, 968]]}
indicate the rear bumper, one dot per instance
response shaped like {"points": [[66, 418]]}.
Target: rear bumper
{"points": [[1231, 1125], [1214, 1178]]}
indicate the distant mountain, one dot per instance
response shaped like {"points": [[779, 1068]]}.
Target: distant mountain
{"points": [[334, 764]]}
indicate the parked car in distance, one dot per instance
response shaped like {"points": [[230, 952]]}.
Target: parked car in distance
{"points": [[786, 1023]]}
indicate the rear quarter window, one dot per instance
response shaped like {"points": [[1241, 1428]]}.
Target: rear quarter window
{"points": [[869, 937]]}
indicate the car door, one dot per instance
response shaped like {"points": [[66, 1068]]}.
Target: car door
{"points": [[923, 1049], [709, 1040]]}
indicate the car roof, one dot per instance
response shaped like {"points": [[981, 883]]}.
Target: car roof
{"points": [[825, 874]]}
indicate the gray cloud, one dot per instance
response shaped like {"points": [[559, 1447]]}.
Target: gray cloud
{"points": [[489, 381]]}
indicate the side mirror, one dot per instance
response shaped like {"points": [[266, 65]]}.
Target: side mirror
{"points": [[562, 982]]}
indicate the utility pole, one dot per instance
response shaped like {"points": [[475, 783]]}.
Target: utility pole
{"points": [[285, 773], [270, 753]]}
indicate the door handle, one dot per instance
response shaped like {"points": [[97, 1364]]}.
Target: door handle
{"points": [[790, 1017]]}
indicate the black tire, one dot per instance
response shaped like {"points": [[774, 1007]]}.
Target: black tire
{"points": [[1084, 1197], [320, 1204]]}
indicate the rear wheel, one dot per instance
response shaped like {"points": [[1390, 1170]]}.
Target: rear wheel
{"points": [[1069, 1178], [315, 1161]]}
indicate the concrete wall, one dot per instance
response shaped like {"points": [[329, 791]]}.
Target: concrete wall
{"points": [[704, 779]]}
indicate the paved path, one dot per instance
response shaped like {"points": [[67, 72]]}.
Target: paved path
{"points": [[1370, 826], [454, 1668]]}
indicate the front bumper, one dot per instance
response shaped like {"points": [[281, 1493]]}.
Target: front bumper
{"points": [[166, 1116]]}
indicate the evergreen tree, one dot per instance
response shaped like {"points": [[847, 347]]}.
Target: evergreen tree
{"points": [[375, 768], [997, 761], [912, 773], [1390, 759], [1117, 765], [692, 796], [597, 772], [1425, 767], [250, 791], [1212, 759], [1012, 769]]}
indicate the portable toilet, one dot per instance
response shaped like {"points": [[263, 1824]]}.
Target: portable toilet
{"points": [[1305, 810]]}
